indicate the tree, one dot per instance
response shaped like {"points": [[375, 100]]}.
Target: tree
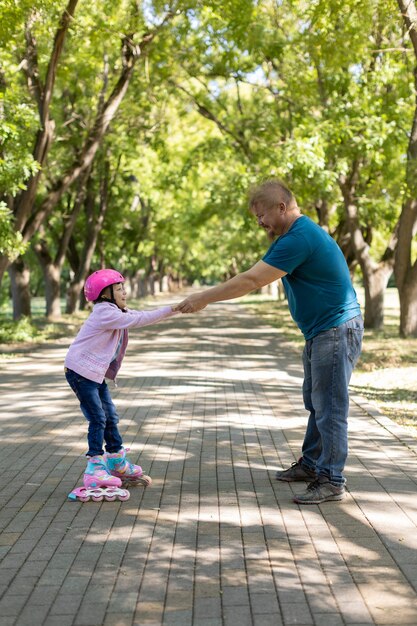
{"points": [[233, 93], [405, 268], [34, 204], [331, 130], [363, 142], [21, 203], [96, 204]]}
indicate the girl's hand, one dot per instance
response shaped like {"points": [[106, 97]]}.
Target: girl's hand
{"points": [[192, 304]]}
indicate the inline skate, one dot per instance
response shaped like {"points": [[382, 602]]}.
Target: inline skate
{"points": [[129, 474], [99, 484]]}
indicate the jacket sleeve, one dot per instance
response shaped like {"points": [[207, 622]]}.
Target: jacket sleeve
{"points": [[111, 317]]}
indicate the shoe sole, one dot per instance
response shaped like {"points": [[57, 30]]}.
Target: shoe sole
{"points": [[335, 498], [293, 479]]}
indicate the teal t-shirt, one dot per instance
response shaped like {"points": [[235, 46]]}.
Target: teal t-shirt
{"points": [[317, 284]]}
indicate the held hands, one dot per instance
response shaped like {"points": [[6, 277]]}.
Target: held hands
{"points": [[192, 304]]}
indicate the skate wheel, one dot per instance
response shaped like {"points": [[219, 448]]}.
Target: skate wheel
{"points": [[143, 481], [146, 481], [98, 494]]}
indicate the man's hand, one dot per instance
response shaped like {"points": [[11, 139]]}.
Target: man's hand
{"points": [[192, 304]]}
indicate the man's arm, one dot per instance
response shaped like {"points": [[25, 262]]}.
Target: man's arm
{"points": [[258, 276]]}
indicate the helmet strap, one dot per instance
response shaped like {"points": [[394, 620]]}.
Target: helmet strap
{"points": [[111, 299]]}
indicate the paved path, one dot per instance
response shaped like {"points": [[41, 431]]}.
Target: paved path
{"points": [[211, 405]]}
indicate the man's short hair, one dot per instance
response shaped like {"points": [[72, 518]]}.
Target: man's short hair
{"points": [[270, 193]]}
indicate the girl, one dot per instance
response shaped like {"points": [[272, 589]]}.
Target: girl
{"points": [[97, 353]]}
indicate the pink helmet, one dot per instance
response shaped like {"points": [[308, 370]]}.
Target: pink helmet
{"points": [[98, 281]]}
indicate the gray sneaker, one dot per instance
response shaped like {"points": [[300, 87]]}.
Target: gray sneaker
{"points": [[296, 473], [320, 491]]}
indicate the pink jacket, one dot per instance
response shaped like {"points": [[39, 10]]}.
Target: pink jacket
{"points": [[93, 349]]}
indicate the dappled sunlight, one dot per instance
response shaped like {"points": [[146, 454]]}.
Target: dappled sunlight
{"points": [[158, 452], [210, 407], [192, 388]]}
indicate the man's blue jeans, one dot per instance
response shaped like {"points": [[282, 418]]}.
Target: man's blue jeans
{"points": [[329, 359], [100, 412]]}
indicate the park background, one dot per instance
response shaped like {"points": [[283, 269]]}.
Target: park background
{"points": [[130, 133]]}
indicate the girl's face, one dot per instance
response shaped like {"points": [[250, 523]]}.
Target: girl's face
{"points": [[120, 295]]}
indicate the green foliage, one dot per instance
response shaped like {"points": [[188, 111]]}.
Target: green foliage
{"points": [[16, 162], [10, 240], [230, 93], [17, 332], [294, 90]]}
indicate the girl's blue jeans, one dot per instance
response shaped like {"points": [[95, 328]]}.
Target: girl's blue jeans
{"points": [[100, 412], [329, 359]]}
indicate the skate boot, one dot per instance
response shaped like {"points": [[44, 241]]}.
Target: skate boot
{"points": [[130, 474], [97, 474], [99, 484]]}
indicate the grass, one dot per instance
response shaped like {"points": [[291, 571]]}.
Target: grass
{"points": [[386, 373], [36, 329]]}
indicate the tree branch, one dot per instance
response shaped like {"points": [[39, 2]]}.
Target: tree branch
{"points": [[60, 35], [409, 13], [24, 203], [205, 112], [131, 52], [30, 65]]}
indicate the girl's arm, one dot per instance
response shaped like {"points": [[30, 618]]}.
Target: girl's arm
{"points": [[111, 317]]}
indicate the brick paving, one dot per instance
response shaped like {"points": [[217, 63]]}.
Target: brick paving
{"points": [[211, 407]]}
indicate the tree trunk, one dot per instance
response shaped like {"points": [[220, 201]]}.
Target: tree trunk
{"points": [[94, 225], [405, 270], [140, 284], [408, 309], [375, 274], [51, 272], [52, 266], [324, 212], [155, 289], [20, 277], [375, 282], [75, 290], [73, 300]]}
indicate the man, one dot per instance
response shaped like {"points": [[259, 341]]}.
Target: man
{"points": [[323, 303]]}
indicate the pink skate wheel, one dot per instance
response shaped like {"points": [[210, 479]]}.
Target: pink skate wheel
{"points": [[98, 494]]}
